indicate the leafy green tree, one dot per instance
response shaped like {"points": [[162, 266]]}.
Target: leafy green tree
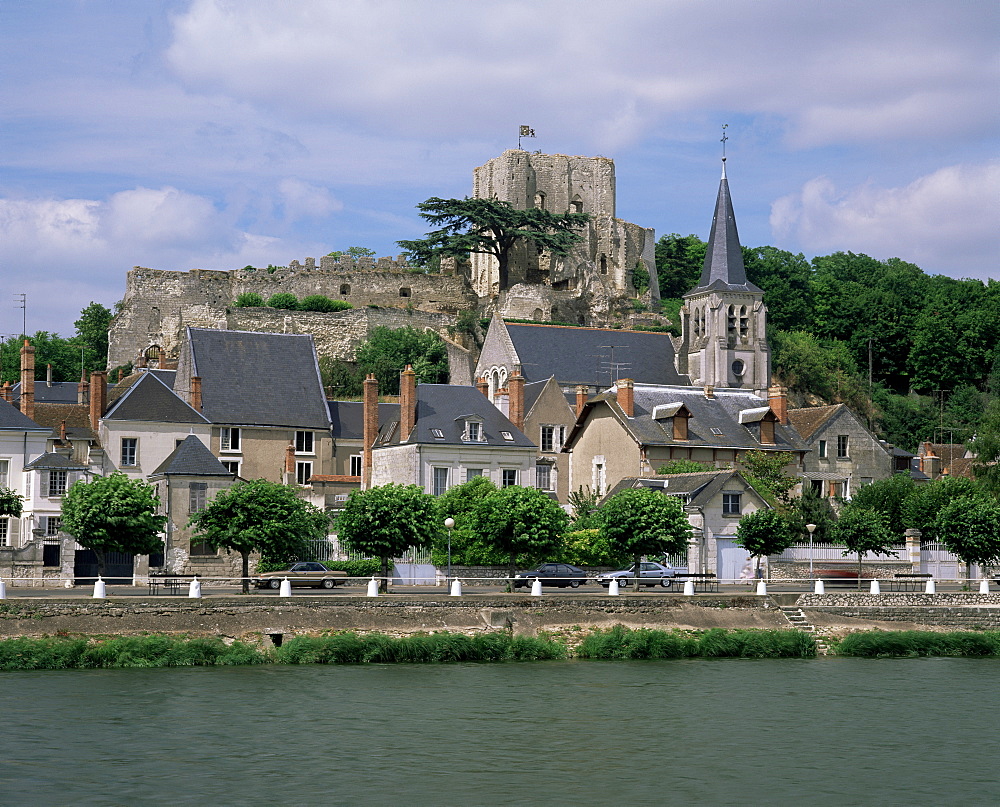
{"points": [[985, 447], [583, 505], [386, 521], [811, 508], [249, 299], [764, 532], [92, 333], [641, 521], [862, 531], [283, 300], [260, 516], [588, 547], [353, 252], [113, 514], [888, 497], [920, 509], [679, 261], [904, 420], [522, 524], [970, 528], [461, 503], [63, 354], [766, 469], [341, 379], [785, 279], [388, 351], [323, 304], [682, 467], [11, 504], [491, 227]]}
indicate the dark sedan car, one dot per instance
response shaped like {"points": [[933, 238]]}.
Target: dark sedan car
{"points": [[552, 574]]}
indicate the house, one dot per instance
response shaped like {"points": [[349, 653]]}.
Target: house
{"points": [[635, 428], [548, 419], [714, 502], [844, 455], [22, 441], [445, 435], [945, 459]]}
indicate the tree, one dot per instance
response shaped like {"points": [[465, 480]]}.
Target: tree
{"points": [[323, 304], [785, 280], [679, 261], [11, 504], [491, 227], [283, 300], [113, 514], [461, 503], [641, 521], [249, 299], [861, 531], [92, 332], [921, 508], [764, 532], [970, 528], [352, 252], [260, 516], [388, 351], [583, 503], [888, 497], [681, 467], [985, 447], [766, 469], [385, 521], [521, 524], [340, 379], [811, 508]]}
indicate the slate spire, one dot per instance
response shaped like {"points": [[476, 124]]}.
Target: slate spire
{"points": [[723, 268]]}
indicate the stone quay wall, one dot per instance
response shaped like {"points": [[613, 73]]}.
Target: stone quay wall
{"points": [[955, 611]]}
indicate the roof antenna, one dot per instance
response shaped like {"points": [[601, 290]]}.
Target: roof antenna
{"points": [[725, 137]]}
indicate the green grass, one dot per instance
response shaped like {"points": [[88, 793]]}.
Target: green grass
{"points": [[913, 643], [623, 643]]}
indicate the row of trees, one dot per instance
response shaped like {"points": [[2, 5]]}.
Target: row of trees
{"points": [[289, 302], [87, 350]]}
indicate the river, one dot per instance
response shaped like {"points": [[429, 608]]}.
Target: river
{"points": [[693, 732]]}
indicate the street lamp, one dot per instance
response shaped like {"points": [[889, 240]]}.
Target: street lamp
{"points": [[812, 529], [449, 523]]}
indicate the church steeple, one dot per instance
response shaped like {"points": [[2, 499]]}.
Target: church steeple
{"points": [[723, 268]]}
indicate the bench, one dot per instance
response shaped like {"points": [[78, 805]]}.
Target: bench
{"points": [[909, 581], [706, 581], [170, 582]]}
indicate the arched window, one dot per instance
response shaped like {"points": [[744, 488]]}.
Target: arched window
{"points": [[731, 324], [540, 200], [576, 206], [345, 288], [604, 264], [538, 315], [744, 322]]}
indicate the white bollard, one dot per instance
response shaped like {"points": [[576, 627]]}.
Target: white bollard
{"points": [[456, 588], [285, 590], [930, 588], [100, 590], [194, 590], [984, 586], [3, 590], [373, 587], [874, 588], [689, 588], [68, 584], [819, 587], [761, 587], [536, 588], [613, 587]]}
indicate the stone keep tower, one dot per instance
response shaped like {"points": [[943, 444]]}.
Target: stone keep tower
{"points": [[597, 276], [723, 340]]}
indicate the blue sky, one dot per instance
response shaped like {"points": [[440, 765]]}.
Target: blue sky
{"points": [[211, 134]]}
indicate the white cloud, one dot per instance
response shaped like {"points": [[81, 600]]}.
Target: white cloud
{"points": [[941, 221], [302, 200]]}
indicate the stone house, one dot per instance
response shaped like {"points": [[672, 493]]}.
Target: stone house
{"points": [[548, 418], [945, 459]]}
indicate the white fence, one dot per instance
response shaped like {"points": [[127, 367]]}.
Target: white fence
{"points": [[800, 553]]}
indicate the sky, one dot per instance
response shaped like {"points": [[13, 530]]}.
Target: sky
{"points": [[212, 134]]}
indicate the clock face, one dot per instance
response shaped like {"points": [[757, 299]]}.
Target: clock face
{"points": [[739, 367]]}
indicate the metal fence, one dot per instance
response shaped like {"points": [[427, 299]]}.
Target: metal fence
{"points": [[329, 549]]}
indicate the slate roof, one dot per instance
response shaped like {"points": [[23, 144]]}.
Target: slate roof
{"points": [[531, 392], [191, 458], [258, 379], [697, 488], [721, 413], [11, 418], [445, 407], [149, 399], [348, 418], [585, 355], [60, 392], [54, 462], [948, 452]]}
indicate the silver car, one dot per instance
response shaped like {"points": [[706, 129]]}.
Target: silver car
{"points": [[650, 574]]}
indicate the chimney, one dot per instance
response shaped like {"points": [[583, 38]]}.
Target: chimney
{"points": [[483, 386], [5, 391], [626, 396], [120, 375], [370, 429], [502, 402], [141, 361], [83, 390], [582, 392], [62, 431], [777, 399], [196, 392], [515, 386], [48, 375], [28, 379], [407, 402], [290, 464], [98, 397], [709, 391], [161, 357]]}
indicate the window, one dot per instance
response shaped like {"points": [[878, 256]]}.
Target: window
{"points": [[230, 439], [472, 473], [4, 470], [437, 434], [130, 451], [507, 436], [202, 548], [356, 465], [474, 431], [508, 477], [303, 470], [731, 504], [4, 532], [404, 292], [440, 481], [197, 497], [304, 443], [552, 438], [822, 449], [842, 446], [57, 483], [600, 480], [345, 288], [233, 466], [543, 476], [52, 525]]}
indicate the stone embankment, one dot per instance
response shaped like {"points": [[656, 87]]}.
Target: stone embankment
{"points": [[902, 611]]}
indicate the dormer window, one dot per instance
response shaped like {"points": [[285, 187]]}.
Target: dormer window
{"points": [[474, 431], [437, 434], [507, 436]]}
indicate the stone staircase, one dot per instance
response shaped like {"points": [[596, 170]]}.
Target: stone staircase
{"points": [[797, 619]]}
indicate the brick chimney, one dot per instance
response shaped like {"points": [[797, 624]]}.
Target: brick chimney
{"points": [[290, 464], [28, 379], [62, 431], [196, 392], [370, 428], [582, 393], [120, 375], [161, 357], [626, 396], [515, 387], [98, 397], [83, 390], [483, 386], [777, 399], [407, 402], [5, 391]]}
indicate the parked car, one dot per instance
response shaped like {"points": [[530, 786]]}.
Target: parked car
{"points": [[302, 574], [650, 573], [552, 574]]}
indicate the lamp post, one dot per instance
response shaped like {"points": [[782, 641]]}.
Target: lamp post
{"points": [[449, 523], [812, 529]]}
